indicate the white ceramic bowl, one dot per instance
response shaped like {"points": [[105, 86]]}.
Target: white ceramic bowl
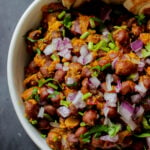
{"points": [[17, 60]]}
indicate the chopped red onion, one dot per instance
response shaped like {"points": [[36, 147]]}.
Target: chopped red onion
{"points": [[109, 80], [94, 82], [76, 27], [84, 51], [63, 111], [106, 110], [136, 98], [85, 59], [147, 61], [119, 86], [41, 112], [65, 68], [71, 96], [148, 142], [59, 66], [114, 62], [141, 88], [78, 102], [74, 59], [139, 111], [67, 43], [70, 80], [111, 99], [65, 53], [105, 32], [130, 122], [49, 49], [109, 138], [126, 110], [54, 124], [141, 66], [50, 90], [137, 45]]}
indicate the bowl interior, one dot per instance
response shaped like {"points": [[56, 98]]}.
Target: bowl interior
{"points": [[17, 60]]}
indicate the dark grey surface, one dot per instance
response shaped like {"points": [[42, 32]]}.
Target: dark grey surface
{"points": [[12, 135]]}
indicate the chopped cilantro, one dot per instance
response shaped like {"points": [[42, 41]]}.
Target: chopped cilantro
{"points": [[146, 51], [53, 86], [38, 51], [31, 40], [140, 19], [48, 117], [53, 95], [113, 129], [43, 135]]}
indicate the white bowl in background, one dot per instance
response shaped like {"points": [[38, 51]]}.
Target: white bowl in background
{"points": [[17, 60]]}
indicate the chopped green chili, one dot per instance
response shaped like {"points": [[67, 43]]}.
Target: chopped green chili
{"points": [[84, 35], [112, 45], [86, 95], [54, 57], [82, 124], [67, 21], [62, 14], [80, 113], [34, 122], [38, 51], [92, 23], [53, 86], [90, 45], [65, 103], [48, 117], [143, 135], [31, 40]]}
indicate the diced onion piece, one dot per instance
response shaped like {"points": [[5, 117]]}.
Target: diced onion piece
{"points": [[148, 142], [63, 111], [141, 66], [109, 80], [70, 80], [106, 110], [85, 59], [137, 45], [78, 102], [130, 122], [49, 49], [148, 61], [74, 59], [41, 112], [141, 88], [136, 98], [111, 99], [139, 111], [84, 51], [65, 68], [54, 124], [119, 86], [76, 27], [126, 110], [94, 82], [65, 53], [71, 96], [113, 64], [109, 138], [59, 66], [50, 90]]}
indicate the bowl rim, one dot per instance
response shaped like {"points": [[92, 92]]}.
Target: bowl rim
{"points": [[10, 81]]}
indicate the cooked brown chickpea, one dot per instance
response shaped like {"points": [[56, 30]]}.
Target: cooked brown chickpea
{"points": [[43, 124], [90, 117], [49, 109], [59, 75], [112, 112], [125, 67], [127, 87], [80, 131], [31, 109]]}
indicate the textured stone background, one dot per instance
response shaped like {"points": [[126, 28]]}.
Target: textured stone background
{"points": [[12, 135]]}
